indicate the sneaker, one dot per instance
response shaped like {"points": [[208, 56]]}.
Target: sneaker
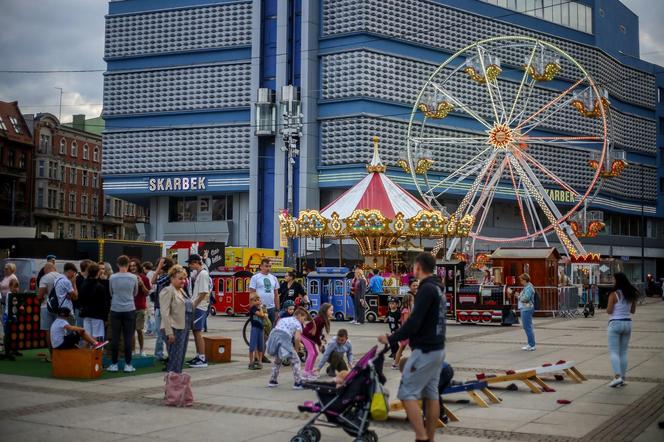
{"points": [[258, 365], [143, 354], [198, 363], [129, 369], [113, 368], [265, 360], [395, 367], [192, 360], [272, 384], [617, 382], [298, 386], [252, 366], [99, 345], [533, 348], [528, 348]]}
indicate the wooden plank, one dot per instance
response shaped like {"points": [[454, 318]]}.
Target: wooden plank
{"points": [[492, 397], [478, 399], [541, 383], [578, 374], [572, 376], [533, 387], [398, 406], [450, 415], [511, 377]]}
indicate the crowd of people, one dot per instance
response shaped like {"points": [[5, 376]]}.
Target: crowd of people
{"points": [[85, 305]]}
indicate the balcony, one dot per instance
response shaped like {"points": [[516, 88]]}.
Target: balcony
{"points": [[112, 219]]}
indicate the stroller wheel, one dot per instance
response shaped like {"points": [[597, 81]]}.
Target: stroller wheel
{"points": [[299, 438], [310, 433], [371, 436]]}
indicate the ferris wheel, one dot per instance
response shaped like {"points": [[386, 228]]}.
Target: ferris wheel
{"points": [[507, 119]]}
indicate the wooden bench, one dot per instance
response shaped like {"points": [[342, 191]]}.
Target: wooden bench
{"points": [[528, 377], [398, 406], [566, 367]]}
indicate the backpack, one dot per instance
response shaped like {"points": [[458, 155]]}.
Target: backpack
{"points": [[536, 301], [53, 304]]}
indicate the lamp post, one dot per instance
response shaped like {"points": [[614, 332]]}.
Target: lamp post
{"points": [[291, 133]]}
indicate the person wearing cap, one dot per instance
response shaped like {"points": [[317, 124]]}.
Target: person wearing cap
{"points": [[65, 336], [201, 285], [393, 319]]}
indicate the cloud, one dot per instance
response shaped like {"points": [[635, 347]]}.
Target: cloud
{"points": [[651, 32], [53, 35]]}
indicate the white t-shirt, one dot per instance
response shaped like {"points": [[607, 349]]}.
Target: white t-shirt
{"points": [[265, 286], [63, 288], [47, 282], [58, 332], [202, 284], [290, 325]]}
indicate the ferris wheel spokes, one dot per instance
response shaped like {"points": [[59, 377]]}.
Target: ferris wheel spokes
{"points": [[459, 104], [559, 97], [550, 174], [517, 195], [490, 82], [523, 81], [460, 169]]}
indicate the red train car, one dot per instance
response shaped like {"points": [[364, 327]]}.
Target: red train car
{"points": [[231, 291]]}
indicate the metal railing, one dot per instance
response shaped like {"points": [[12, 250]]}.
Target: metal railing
{"points": [[557, 301]]}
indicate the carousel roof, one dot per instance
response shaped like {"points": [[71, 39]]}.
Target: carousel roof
{"points": [[375, 191]]}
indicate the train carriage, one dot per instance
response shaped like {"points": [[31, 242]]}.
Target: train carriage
{"points": [[231, 291]]}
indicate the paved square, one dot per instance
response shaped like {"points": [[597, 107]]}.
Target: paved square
{"points": [[233, 403]]}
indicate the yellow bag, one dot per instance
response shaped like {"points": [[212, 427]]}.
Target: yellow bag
{"points": [[378, 406]]}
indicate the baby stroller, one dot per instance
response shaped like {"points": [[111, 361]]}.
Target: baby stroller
{"points": [[347, 406]]}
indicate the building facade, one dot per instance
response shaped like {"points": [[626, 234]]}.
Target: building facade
{"points": [[16, 151], [69, 200], [184, 134]]}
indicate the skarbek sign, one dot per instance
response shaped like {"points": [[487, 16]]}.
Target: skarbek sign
{"points": [[561, 196], [177, 183]]}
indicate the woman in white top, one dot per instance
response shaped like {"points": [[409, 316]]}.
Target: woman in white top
{"points": [[621, 306]]}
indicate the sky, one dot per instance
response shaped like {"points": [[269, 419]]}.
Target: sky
{"points": [[69, 35]]}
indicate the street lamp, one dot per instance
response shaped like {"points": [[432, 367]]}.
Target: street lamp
{"points": [[291, 133]]}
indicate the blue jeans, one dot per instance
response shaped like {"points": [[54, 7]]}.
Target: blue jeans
{"points": [[527, 322], [257, 340], [159, 342], [272, 314], [619, 334]]}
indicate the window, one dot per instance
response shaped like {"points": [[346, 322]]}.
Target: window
{"points": [[93, 232], [95, 154], [63, 147], [107, 206], [61, 230], [95, 206], [84, 231], [52, 198], [661, 185], [84, 204], [61, 202], [44, 143], [182, 209], [95, 180], [21, 160], [660, 94], [86, 152], [661, 125], [74, 149], [40, 197], [72, 230], [72, 203], [62, 173], [84, 178], [15, 124], [2, 124], [41, 170], [73, 175], [11, 157], [200, 209]]}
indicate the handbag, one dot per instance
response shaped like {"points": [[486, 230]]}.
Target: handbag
{"points": [[379, 401], [177, 392]]}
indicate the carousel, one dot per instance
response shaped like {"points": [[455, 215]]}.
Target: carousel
{"points": [[377, 214]]}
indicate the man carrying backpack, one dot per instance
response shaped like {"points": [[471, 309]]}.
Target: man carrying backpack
{"points": [[64, 291]]}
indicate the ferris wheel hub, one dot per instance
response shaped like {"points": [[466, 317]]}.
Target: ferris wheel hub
{"points": [[501, 136]]}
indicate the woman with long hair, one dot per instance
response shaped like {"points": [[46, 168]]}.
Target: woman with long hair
{"points": [[621, 306], [177, 312], [360, 288], [313, 338]]}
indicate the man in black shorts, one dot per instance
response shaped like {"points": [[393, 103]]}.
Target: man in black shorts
{"points": [[425, 329]]}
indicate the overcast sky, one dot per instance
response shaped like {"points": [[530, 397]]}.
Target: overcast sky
{"points": [[69, 35]]}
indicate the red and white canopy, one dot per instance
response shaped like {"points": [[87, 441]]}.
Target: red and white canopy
{"points": [[375, 191]]}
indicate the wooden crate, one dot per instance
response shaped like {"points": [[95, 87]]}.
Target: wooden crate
{"points": [[217, 348], [77, 363]]}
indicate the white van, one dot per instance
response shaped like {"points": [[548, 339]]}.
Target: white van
{"points": [[27, 270]]}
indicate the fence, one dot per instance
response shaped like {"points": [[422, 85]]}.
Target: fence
{"points": [[558, 301]]}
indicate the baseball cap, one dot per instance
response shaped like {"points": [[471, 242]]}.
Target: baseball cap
{"points": [[194, 258], [50, 257], [392, 299]]}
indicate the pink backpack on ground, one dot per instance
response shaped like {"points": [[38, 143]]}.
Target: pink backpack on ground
{"points": [[178, 390]]}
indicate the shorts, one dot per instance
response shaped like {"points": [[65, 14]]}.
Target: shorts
{"points": [[70, 341], [94, 327], [199, 320], [46, 319], [257, 340], [421, 375], [141, 315]]}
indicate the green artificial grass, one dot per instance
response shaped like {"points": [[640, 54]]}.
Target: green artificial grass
{"points": [[30, 364]]}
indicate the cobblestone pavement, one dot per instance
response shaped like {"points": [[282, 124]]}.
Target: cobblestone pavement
{"points": [[233, 403]]}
